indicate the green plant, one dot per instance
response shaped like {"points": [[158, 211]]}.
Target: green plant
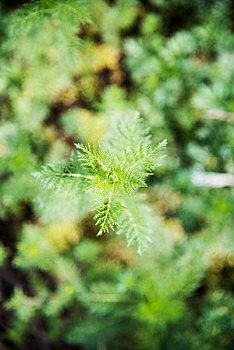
{"points": [[113, 172], [77, 70]]}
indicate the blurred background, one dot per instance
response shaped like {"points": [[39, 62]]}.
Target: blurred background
{"points": [[66, 68]]}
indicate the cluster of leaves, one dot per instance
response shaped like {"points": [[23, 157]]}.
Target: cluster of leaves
{"points": [[112, 287], [114, 172], [39, 40], [76, 71]]}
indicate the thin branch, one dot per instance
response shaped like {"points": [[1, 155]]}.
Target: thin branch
{"points": [[215, 180], [219, 115], [75, 175]]}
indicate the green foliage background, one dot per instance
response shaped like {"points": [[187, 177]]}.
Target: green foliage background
{"points": [[68, 70]]}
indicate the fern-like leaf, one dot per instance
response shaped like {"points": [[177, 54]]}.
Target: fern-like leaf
{"points": [[95, 156], [57, 176], [107, 214], [114, 175], [126, 134], [133, 146], [136, 223]]}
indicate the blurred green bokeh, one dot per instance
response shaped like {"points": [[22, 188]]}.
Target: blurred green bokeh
{"points": [[67, 70]]}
